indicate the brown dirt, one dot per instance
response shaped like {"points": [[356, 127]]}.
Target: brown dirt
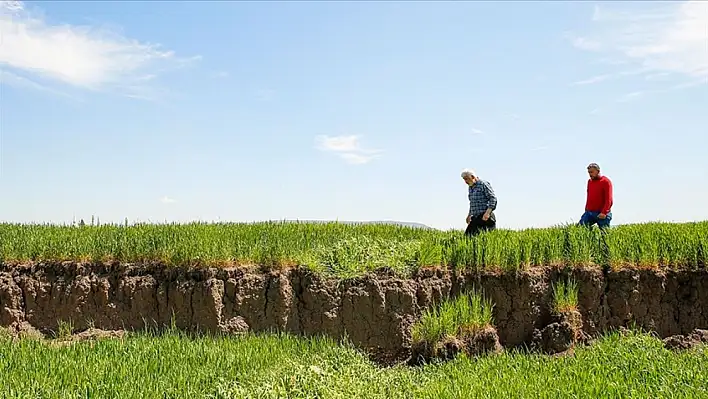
{"points": [[375, 312], [685, 342], [561, 335], [91, 334], [484, 341]]}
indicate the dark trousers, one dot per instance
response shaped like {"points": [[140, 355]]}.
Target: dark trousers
{"points": [[477, 225]]}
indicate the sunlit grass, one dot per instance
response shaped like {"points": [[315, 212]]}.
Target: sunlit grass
{"points": [[349, 250], [464, 314], [175, 366], [565, 296]]}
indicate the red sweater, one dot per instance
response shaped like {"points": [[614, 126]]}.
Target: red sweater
{"points": [[599, 197]]}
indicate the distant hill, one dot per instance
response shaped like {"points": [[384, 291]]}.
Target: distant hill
{"points": [[392, 222]]}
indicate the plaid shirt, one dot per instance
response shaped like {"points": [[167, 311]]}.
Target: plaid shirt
{"points": [[482, 197]]}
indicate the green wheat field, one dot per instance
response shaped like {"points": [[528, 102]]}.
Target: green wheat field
{"points": [[174, 365], [343, 249]]}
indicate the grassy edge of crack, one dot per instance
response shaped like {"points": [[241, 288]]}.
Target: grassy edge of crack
{"points": [[565, 296], [350, 250], [468, 312], [463, 323]]}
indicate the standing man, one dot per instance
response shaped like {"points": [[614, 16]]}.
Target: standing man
{"points": [[598, 205], [483, 202]]}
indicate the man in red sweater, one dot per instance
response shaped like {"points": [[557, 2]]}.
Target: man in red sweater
{"points": [[598, 206]]}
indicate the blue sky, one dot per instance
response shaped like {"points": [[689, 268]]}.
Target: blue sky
{"points": [[248, 111]]}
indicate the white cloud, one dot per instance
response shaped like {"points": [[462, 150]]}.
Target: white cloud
{"points": [[348, 148], [338, 143], [604, 77], [167, 200], [631, 96], [356, 159], [80, 56], [477, 131], [594, 79], [21, 81], [657, 76], [586, 44], [671, 39]]}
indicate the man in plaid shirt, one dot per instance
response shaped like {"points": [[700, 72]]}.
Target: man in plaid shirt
{"points": [[483, 202]]}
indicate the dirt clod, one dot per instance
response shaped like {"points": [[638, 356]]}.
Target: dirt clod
{"points": [[89, 335], [235, 325], [95, 333], [688, 341], [561, 335], [484, 341], [556, 338], [21, 330]]}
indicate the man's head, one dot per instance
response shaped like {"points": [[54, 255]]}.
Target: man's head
{"points": [[594, 170], [469, 176]]}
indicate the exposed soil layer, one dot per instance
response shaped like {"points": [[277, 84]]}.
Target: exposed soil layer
{"points": [[561, 335], [477, 343], [688, 341], [374, 312]]}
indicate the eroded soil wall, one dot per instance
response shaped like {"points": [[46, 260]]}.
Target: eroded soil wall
{"points": [[374, 312]]}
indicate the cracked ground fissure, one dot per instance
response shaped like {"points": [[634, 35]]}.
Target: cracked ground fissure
{"points": [[374, 312]]}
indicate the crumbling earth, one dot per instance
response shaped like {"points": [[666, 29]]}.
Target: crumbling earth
{"points": [[374, 312], [476, 343], [689, 341], [561, 335]]}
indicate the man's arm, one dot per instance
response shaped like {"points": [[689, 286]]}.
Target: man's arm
{"points": [[491, 200], [469, 212], [607, 200]]}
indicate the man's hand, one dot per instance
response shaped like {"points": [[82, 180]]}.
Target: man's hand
{"points": [[469, 219], [485, 217], [602, 216]]}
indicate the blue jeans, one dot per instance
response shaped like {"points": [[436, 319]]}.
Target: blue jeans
{"points": [[590, 218]]}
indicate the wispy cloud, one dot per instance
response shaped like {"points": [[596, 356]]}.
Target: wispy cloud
{"points": [[348, 148], [10, 78], [657, 76], [356, 159], [604, 77], [631, 96], [594, 79], [83, 57], [167, 200], [476, 131], [670, 39], [338, 143], [587, 44], [539, 148]]}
